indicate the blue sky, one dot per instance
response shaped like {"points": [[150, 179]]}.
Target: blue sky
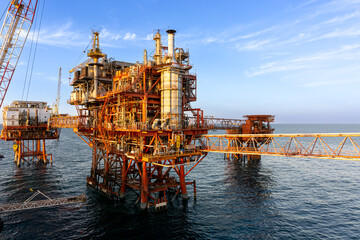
{"points": [[298, 60]]}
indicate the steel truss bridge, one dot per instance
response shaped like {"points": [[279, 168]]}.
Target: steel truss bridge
{"points": [[341, 146], [30, 203]]}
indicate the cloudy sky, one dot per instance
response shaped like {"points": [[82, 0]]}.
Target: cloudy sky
{"points": [[298, 60]]}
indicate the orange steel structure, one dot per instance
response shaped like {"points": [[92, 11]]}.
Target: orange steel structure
{"points": [[137, 118], [29, 142], [133, 117], [341, 146], [26, 123], [221, 123], [144, 134]]}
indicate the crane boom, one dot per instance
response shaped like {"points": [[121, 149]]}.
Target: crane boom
{"points": [[56, 110], [13, 35], [89, 60]]}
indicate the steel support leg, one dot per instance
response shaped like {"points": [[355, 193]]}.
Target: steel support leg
{"points": [[182, 181], [123, 178], [144, 187], [94, 162], [44, 152]]}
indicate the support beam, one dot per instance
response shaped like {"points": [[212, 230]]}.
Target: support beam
{"points": [[144, 187]]}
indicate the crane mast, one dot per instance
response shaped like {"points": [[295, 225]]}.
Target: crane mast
{"points": [[56, 110], [13, 35]]}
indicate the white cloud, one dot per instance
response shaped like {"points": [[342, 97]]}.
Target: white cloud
{"points": [[129, 36], [116, 37], [210, 40], [22, 63], [62, 36], [346, 52], [149, 37], [329, 83], [253, 34], [304, 4], [108, 35], [52, 78], [340, 19], [254, 45], [343, 33]]}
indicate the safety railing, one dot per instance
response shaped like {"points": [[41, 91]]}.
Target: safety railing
{"points": [[67, 122], [343, 146]]}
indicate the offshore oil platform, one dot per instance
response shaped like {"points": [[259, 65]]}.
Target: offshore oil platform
{"points": [[138, 120], [145, 136], [27, 124]]}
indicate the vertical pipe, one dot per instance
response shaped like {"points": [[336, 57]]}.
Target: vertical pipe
{"points": [[38, 146], [158, 51], [144, 105], [182, 180], [94, 162], [171, 44], [145, 57], [44, 152], [106, 172], [96, 70], [144, 187], [123, 178]]}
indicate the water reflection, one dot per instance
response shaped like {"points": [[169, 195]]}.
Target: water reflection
{"points": [[110, 221], [250, 180], [17, 188], [249, 186]]}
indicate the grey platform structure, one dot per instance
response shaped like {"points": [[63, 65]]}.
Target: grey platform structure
{"points": [[47, 202]]}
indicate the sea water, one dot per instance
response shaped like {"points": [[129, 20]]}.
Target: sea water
{"points": [[275, 198]]}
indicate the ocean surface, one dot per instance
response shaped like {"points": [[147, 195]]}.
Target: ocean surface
{"points": [[275, 198]]}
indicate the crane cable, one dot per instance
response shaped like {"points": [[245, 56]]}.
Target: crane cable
{"points": [[30, 54], [78, 60], [36, 43], [7, 7]]}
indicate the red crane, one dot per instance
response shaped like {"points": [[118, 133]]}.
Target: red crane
{"points": [[13, 35]]}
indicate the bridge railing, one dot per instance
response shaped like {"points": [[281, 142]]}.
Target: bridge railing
{"points": [[67, 122], [219, 123], [344, 146]]}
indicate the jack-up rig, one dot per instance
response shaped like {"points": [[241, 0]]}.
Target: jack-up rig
{"points": [[146, 137]]}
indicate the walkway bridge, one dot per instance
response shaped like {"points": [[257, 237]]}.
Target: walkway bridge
{"points": [[340, 146]]}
